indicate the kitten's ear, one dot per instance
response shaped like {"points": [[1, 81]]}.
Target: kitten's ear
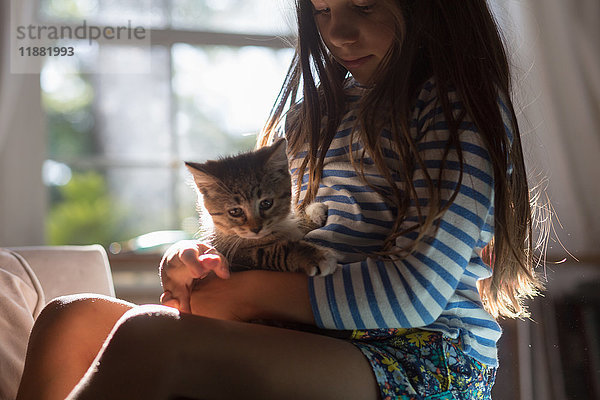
{"points": [[202, 178], [277, 156]]}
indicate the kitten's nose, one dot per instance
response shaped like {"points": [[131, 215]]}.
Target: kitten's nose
{"points": [[256, 229]]}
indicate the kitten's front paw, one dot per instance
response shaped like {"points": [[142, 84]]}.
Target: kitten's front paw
{"points": [[317, 213], [326, 265]]}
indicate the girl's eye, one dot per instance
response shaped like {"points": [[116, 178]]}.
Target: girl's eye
{"points": [[236, 212], [265, 204], [365, 9], [321, 11]]}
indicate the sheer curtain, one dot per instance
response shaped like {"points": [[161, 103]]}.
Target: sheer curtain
{"points": [[10, 84], [556, 57], [22, 139], [558, 89], [5, 85]]}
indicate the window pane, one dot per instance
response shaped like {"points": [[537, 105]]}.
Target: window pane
{"points": [[270, 17], [105, 12], [120, 116], [116, 204], [68, 10], [67, 97], [145, 196], [133, 110], [224, 96], [247, 16], [84, 210]]}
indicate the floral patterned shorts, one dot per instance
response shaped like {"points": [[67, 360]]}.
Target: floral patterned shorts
{"points": [[411, 364]]}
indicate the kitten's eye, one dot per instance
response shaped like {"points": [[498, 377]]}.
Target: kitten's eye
{"points": [[266, 204], [236, 212]]}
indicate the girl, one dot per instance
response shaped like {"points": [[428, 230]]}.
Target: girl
{"points": [[401, 122]]}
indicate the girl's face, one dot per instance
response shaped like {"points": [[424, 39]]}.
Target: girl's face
{"points": [[358, 33]]}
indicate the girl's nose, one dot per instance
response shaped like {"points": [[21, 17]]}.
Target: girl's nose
{"points": [[342, 31]]}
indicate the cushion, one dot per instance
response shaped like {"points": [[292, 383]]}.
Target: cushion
{"points": [[21, 301]]}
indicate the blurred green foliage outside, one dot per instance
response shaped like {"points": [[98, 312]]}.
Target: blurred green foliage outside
{"points": [[85, 214]]}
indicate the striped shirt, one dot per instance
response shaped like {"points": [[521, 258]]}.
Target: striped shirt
{"points": [[434, 288]]}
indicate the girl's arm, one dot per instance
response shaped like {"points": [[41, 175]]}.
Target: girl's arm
{"points": [[252, 295], [196, 279]]}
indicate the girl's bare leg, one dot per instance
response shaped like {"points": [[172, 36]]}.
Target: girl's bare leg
{"points": [[156, 353], [65, 340]]}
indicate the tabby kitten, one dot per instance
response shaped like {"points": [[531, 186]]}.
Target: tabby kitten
{"points": [[248, 197]]}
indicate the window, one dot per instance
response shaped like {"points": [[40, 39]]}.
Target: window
{"points": [[116, 140]]}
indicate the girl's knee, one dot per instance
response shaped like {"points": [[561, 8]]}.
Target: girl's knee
{"points": [[79, 307], [63, 309], [143, 334], [66, 336], [146, 323], [78, 317]]}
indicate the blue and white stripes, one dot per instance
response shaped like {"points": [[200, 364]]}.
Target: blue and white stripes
{"points": [[434, 288]]}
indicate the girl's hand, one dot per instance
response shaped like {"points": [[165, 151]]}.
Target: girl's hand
{"points": [[182, 264]]}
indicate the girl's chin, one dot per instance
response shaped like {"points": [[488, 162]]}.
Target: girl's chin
{"points": [[362, 75], [361, 79]]}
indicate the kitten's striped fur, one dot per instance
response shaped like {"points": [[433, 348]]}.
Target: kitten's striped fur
{"points": [[248, 197]]}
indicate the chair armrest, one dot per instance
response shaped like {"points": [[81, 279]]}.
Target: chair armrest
{"points": [[64, 270]]}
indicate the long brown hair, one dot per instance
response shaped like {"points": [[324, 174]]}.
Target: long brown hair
{"points": [[458, 43]]}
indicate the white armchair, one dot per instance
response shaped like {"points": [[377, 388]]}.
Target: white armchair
{"points": [[29, 278]]}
